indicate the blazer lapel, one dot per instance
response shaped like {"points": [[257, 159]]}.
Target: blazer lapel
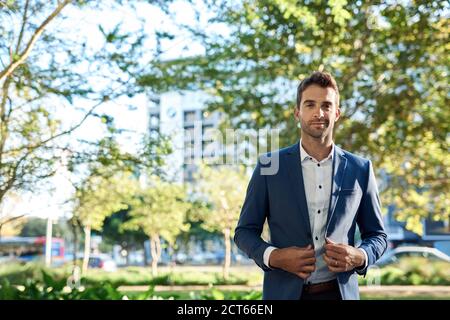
{"points": [[339, 166], [296, 180]]}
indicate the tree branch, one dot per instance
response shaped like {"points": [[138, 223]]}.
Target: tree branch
{"points": [[26, 52], [11, 219], [22, 29], [32, 148]]}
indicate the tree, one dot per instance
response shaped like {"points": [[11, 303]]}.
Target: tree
{"points": [[390, 63], [50, 68], [113, 233], [36, 227], [10, 219], [98, 197], [224, 188], [160, 211]]}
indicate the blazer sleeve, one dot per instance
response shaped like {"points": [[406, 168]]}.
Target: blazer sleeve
{"points": [[370, 222], [251, 221]]}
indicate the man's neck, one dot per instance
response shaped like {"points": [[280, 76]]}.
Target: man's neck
{"points": [[317, 148]]}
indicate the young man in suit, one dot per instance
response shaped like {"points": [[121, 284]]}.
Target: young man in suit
{"points": [[312, 204]]}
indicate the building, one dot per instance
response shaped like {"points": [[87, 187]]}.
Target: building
{"points": [[192, 131]]}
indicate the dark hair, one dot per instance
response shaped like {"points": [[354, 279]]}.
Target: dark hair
{"points": [[322, 79]]}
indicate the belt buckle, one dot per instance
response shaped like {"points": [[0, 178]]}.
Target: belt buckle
{"points": [[307, 287]]}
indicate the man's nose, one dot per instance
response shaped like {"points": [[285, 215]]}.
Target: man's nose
{"points": [[319, 113]]}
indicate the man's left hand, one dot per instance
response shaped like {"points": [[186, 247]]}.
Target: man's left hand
{"points": [[341, 257]]}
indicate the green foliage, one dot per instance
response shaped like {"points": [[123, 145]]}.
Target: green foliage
{"points": [[412, 271], [113, 233], [49, 289], [215, 294], [101, 196], [17, 274], [36, 227], [159, 209], [225, 201]]}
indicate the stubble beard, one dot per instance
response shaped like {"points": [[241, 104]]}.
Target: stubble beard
{"points": [[317, 134]]}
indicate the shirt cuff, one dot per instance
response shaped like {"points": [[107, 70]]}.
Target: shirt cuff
{"points": [[366, 260], [266, 256]]}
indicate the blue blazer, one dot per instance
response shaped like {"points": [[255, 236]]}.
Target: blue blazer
{"points": [[280, 198]]}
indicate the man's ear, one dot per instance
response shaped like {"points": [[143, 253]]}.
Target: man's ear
{"points": [[338, 114], [297, 114]]}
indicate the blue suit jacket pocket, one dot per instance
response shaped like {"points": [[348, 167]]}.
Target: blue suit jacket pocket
{"points": [[345, 192]]}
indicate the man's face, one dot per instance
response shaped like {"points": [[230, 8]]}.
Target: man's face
{"points": [[318, 111]]}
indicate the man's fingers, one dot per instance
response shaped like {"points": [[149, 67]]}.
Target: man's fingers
{"points": [[334, 265], [334, 247], [332, 262], [307, 253], [308, 261], [334, 255], [336, 269], [308, 268], [327, 259], [303, 275]]}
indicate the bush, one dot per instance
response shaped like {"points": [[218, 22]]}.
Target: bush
{"points": [[412, 271], [53, 289]]}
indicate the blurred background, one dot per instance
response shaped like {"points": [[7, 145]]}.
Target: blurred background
{"points": [[129, 130]]}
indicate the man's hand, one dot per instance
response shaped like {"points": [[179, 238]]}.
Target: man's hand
{"points": [[341, 257], [300, 261]]}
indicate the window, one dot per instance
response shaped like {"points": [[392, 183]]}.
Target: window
{"points": [[154, 120], [190, 116]]}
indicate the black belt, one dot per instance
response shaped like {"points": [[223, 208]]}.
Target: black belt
{"points": [[321, 287]]}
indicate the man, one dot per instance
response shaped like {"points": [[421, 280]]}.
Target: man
{"points": [[312, 204]]}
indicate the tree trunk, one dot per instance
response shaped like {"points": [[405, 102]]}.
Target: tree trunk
{"points": [[155, 249], [87, 249], [145, 255], [227, 261], [127, 256], [171, 258], [48, 242], [75, 244]]}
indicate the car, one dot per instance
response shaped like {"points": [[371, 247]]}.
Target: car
{"points": [[398, 253], [102, 261]]}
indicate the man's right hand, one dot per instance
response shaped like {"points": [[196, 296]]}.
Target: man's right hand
{"points": [[300, 261]]}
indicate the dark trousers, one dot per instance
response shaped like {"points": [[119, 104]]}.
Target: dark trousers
{"points": [[332, 294]]}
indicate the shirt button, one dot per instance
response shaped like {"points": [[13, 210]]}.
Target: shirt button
{"points": [[318, 164], [320, 187], [317, 238], [318, 211]]}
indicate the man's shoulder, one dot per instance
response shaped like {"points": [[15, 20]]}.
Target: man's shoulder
{"points": [[355, 159], [278, 153]]}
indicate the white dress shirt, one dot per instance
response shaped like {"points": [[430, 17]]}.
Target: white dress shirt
{"points": [[317, 179]]}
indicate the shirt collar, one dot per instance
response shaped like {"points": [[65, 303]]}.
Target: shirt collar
{"points": [[304, 155]]}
